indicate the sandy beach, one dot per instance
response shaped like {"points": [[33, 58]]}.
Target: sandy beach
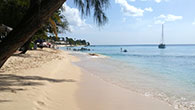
{"points": [[47, 80]]}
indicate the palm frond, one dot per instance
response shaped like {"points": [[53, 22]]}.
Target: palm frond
{"points": [[54, 27], [97, 6]]}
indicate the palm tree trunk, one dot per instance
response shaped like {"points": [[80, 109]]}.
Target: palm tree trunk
{"points": [[37, 15]]}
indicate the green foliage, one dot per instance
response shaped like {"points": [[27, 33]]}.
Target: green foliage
{"points": [[31, 46], [76, 42], [41, 34], [60, 21], [63, 39], [97, 6], [12, 11], [54, 38], [70, 41]]}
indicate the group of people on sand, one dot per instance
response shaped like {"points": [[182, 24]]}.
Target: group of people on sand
{"points": [[42, 43]]}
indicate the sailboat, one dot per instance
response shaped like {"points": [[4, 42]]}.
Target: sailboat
{"points": [[162, 45]]}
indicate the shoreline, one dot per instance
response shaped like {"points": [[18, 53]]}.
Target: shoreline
{"points": [[54, 82], [97, 94], [110, 70]]}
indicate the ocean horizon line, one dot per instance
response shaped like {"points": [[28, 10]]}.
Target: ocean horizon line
{"points": [[141, 45]]}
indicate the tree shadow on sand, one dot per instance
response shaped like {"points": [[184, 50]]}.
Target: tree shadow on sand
{"points": [[13, 83], [22, 55], [1, 101]]}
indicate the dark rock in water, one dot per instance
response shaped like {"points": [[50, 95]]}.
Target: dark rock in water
{"points": [[74, 49], [93, 54], [82, 49], [125, 50]]}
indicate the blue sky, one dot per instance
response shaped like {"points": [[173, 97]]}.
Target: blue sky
{"points": [[136, 22]]}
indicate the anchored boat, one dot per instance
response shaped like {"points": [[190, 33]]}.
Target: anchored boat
{"points": [[162, 45]]}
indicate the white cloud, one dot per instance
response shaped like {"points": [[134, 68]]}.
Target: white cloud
{"points": [[130, 10], [169, 18], [74, 18], [159, 22], [149, 9], [158, 1], [173, 17]]}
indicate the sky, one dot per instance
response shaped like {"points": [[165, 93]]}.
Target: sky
{"points": [[135, 22]]}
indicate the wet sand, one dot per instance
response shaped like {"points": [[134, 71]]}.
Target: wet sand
{"points": [[97, 94]]}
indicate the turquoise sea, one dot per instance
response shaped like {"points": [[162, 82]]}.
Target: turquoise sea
{"points": [[166, 74]]}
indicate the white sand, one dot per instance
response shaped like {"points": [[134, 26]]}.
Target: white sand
{"points": [[47, 80], [52, 85]]}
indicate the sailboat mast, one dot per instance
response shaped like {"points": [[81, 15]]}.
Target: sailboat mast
{"points": [[162, 33], [162, 45]]}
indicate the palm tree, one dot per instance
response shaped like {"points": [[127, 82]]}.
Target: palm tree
{"points": [[38, 14]]}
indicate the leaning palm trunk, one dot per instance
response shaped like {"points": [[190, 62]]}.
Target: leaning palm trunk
{"points": [[26, 46], [38, 13]]}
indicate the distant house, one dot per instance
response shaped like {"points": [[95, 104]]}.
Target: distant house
{"points": [[61, 43]]}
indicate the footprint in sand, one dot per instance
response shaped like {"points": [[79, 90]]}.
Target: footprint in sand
{"points": [[40, 103]]}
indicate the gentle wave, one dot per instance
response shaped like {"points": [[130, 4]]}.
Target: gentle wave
{"points": [[152, 56]]}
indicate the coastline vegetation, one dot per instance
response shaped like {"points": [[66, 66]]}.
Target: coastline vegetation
{"points": [[76, 42]]}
